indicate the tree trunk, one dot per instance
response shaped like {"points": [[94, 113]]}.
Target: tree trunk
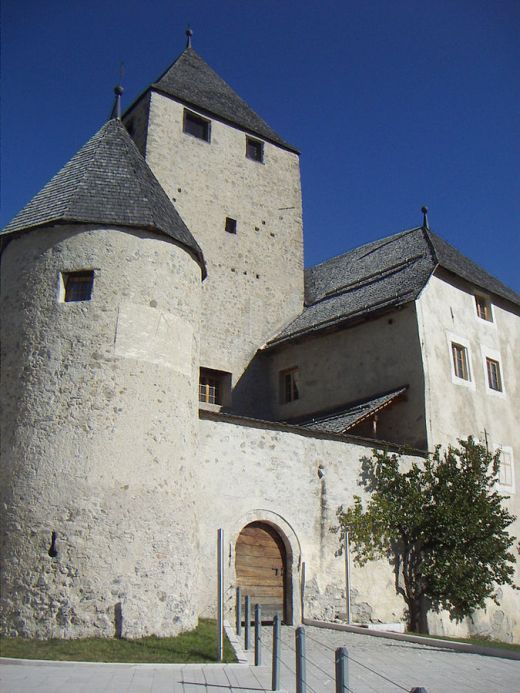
{"points": [[417, 614]]}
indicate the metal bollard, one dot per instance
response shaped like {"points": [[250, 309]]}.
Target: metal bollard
{"points": [[247, 622], [301, 682], [258, 635], [341, 660], [276, 653], [239, 612]]}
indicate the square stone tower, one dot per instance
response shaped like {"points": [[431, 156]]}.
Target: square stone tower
{"points": [[236, 183]]}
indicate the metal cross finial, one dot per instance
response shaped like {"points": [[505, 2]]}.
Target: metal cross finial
{"points": [[189, 34], [116, 109], [425, 224]]}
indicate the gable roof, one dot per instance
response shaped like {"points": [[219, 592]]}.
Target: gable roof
{"points": [[348, 416], [380, 275], [191, 80], [107, 182]]}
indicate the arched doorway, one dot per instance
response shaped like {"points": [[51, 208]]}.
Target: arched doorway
{"points": [[262, 570]]}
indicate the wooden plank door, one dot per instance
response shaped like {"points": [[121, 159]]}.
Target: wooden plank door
{"points": [[260, 564]]}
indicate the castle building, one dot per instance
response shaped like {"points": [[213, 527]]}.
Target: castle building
{"points": [[169, 368]]}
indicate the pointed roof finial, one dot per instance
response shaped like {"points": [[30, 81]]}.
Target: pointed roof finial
{"points": [[189, 34], [116, 109], [425, 224]]}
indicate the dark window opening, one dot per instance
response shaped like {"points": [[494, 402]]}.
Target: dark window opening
{"points": [[231, 225], [254, 149], [196, 126], [78, 285], [289, 391]]}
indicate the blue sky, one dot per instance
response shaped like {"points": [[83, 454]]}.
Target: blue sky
{"points": [[393, 103]]}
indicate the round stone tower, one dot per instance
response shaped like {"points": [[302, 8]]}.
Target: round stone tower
{"points": [[100, 304]]}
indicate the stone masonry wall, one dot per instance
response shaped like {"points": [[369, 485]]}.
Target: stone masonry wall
{"points": [[98, 435], [255, 277], [296, 482]]}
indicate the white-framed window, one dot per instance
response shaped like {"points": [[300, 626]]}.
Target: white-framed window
{"points": [[484, 308], [506, 472], [460, 360], [493, 372]]}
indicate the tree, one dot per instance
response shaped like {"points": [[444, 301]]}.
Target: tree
{"points": [[441, 524]]}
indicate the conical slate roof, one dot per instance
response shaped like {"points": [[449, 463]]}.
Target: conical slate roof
{"points": [[191, 80], [107, 182]]}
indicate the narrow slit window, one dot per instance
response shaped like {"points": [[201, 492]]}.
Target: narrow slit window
{"points": [[78, 286], [494, 375], [460, 361]]}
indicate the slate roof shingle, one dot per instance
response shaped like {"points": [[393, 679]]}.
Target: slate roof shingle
{"points": [[341, 420], [383, 274], [107, 182], [191, 80]]}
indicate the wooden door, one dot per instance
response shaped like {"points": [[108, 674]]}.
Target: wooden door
{"points": [[260, 564]]}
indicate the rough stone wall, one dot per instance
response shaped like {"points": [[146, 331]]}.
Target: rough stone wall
{"points": [[98, 435], [255, 277], [296, 482], [356, 363], [446, 313]]}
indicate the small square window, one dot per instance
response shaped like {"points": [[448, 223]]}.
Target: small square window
{"points": [[460, 361], [254, 149], [78, 285], [231, 225], [289, 391], [493, 374], [214, 387], [483, 308], [196, 126]]}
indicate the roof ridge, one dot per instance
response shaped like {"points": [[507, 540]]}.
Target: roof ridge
{"points": [[359, 247], [369, 278]]}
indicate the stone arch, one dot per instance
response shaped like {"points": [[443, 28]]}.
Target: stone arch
{"points": [[291, 545]]}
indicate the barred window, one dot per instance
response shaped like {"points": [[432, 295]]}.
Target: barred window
{"points": [[78, 285]]}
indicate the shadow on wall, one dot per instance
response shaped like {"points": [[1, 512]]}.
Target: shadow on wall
{"points": [[252, 394]]}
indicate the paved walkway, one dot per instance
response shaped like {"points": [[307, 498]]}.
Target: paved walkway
{"points": [[376, 665]]}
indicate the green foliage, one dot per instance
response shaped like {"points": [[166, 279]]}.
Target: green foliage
{"points": [[441, 524], [199, 645]]}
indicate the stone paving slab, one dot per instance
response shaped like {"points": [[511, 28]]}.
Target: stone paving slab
{"points": [[376, 666], [391, 665]]}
